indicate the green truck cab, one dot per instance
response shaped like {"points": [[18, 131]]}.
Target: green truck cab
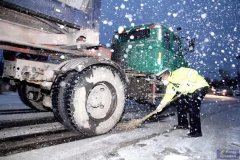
{"points": [[144, 51], [148, 48]]}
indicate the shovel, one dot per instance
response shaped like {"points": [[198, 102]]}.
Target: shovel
{"points": [[138, 122]]}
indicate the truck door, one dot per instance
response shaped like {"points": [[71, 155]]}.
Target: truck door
{"points": [[138, 49], [146, 49]]}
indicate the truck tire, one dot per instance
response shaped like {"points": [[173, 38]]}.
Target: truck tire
{"points": [[93, 100], [58, 89], [23, 88]]}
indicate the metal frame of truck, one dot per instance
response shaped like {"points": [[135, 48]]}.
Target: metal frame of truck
{"points": [[52, 55]]}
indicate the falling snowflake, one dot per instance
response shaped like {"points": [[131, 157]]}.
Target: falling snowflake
{"points": [[204, 15], [130, 46], [212, 33], [122, 6], [129, 17], [175, 15], [120, 29], [108, 45]]}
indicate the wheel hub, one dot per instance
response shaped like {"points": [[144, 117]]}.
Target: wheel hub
{"points": [[99, 101]]}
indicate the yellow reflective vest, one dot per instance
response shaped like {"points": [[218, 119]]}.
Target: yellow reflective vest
{"points": [[184, 80]]}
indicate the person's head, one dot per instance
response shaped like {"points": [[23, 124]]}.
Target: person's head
{"points": [[164, 77]]}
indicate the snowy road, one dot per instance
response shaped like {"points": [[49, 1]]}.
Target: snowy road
{"points": [[26, 134]]}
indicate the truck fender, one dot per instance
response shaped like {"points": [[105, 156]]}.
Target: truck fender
{"points": [[80, 64]]}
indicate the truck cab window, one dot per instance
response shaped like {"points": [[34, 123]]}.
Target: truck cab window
{"points": [[133, 35]]}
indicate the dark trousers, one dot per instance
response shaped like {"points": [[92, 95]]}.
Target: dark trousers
{"points": [[190, 104]]}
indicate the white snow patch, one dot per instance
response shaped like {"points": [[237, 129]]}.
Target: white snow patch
{"points": [[80, 114]]}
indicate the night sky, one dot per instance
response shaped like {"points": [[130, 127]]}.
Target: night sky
{"points": [[214, 23]]}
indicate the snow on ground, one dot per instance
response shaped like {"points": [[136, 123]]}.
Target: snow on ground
{"points": [[156, 140], [220, 129]]}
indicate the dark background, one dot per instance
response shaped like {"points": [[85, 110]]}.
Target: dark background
{"points": [[214, 23]]}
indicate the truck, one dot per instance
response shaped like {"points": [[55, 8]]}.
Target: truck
{"points": [[53, 58]]}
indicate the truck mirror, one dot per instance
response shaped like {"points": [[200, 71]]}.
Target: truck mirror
{"points": [[191, 45]]}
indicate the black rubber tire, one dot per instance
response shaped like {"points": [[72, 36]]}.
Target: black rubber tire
{"points": [[22, 92], [79, 114], [58, 90]]}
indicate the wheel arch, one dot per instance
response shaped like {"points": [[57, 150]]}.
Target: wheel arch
{"points": [[82, 63]]}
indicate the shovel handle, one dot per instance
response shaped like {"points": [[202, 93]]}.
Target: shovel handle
{"points": [[159, 110], [149, 115], [156, 110]]}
